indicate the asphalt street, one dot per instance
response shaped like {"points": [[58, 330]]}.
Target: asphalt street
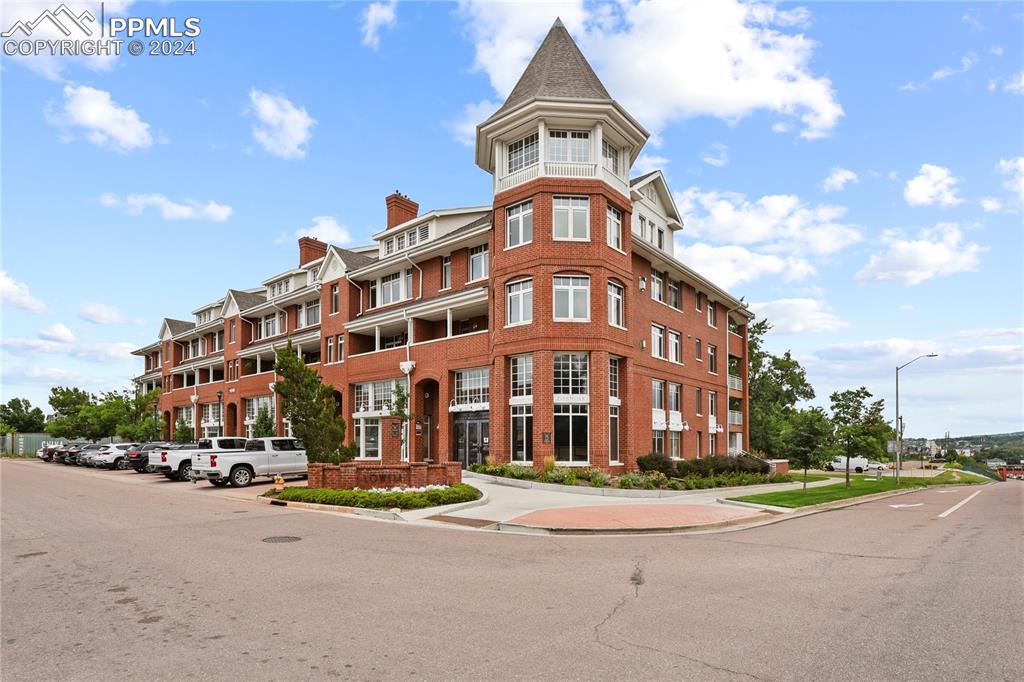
{"points": [[115, 575]]}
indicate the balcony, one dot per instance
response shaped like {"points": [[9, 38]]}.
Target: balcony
{"points": [[735, 418], [560, 169], [735, 383]]}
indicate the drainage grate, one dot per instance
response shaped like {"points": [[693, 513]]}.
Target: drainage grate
{"points": [[273, 539]]}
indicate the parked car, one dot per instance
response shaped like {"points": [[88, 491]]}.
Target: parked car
{"points": [[68, 452], [82, 457], [262, 457], [176, 462], [877, 466], [113, 456], [61, 453], [138, 457], [47, 452], [857, 464]]}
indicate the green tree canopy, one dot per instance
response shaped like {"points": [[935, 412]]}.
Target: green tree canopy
{"points": [[806, 437], [183, 432], [68, 404], [777, 384], [21, 417], [264, 426]]}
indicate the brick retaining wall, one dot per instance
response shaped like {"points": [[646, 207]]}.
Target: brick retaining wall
{"points": [[366, 475]]}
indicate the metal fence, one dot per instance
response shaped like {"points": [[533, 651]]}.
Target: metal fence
{"points": [[28, 443]]}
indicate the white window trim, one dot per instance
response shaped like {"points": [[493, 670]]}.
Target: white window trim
{"points": [[469, 264], [520, 297], [520, 217], [571, 319], [569, 224]]}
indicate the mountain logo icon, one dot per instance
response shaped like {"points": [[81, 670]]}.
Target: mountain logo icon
{"points": [[62, 18]]}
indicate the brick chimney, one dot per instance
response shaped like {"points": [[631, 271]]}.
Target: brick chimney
{"points": [[401, 209], [310, 249]]}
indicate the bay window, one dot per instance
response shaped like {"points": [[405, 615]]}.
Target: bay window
{"points": [[614, 223], [519, 302], [519, 224], [571, 299], [523, 153], [569, 146], [571, 218], [616, 310]]}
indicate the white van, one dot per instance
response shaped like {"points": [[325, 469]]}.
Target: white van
{"points": [[857, 465]]}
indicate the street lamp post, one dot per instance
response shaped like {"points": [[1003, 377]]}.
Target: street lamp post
{"points": [[899, 423], [220, 413]]}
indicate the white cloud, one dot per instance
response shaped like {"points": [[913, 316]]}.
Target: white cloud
{"points": [[971, 20], [1014, 84], [464, 127], [991, 333], [966, 62], [101, 313], [49, 376], [935, 252], [104, 121], [932, 185], [717, 157], [135, 204], [798, 316], [1014, 168], [645, 163], [666, 61], [283, 129], [326, 229], [878, 355], [94, 352], [838, 178], [377, 16], [730, 266], [990, 204], [57, 332], [782, 222], [17, 294]]}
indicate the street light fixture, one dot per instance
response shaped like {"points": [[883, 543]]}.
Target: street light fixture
{"points": [[220, 413], [899, 424]]}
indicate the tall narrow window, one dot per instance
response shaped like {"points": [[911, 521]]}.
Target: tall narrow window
{"points": [[657, 394], [712, 314], [519, 302], [610, 157], [521, 373], [712, 359], [674, 298], [661, 237], [571, 218], [658, 441], [446, 272], [643, 229], [613, 434], [657, 341], [613, 377], [572, 299], [519, 224], [231, 332], [523, 153], [675, 450], [657, 286], [712, 404], [698, 299], [522, 433], [335, 298], [614, 222], [477, 262], [697, 350], [700, 401], [675, 346], [330, 349], [616, 311], [341, 348], [572, 431], [674, 397]]}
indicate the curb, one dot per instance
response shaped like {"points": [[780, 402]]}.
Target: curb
{"points": [[751, 505], [357, 511], [667, 530]]}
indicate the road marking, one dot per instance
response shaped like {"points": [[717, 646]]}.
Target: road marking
{"points": [[958, 505], [904, 506]]}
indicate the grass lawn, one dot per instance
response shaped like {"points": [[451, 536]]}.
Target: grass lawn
{"points": [[858, 486]]}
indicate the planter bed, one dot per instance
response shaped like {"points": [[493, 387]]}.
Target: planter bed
{"points": [[369, 499]]}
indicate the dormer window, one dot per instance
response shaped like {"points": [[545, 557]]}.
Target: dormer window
{"points": [[279, 288], [313, 272], [569, 145], [389, 247], [523, 153]]}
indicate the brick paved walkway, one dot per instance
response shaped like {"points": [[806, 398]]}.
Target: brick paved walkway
{"points": [[634, 516]]}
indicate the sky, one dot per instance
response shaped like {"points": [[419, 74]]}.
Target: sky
{"points": [[855, 171]]}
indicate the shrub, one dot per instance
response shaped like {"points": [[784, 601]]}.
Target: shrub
{"points": [[598, 479], [656, 462], [460, 492], [506, 470], [558, 475], [654, 479], [629, 481]]}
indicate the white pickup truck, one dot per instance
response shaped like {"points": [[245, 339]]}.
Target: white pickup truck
{"points": [[262, 457], [177, 464]]}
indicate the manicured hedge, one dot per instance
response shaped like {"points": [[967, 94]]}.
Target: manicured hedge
{"points": [[365, 499], [704, 467]]}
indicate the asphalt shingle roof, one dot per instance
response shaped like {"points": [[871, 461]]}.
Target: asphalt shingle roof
{"points": [[246, 300], [353, 260], [178, 326]]}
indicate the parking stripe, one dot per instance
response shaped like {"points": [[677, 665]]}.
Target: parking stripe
{"points": [[958, 505]]}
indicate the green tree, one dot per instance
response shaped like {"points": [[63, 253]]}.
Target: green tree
{"points": [[140, 421], [183, 432], [20, 416], [263, 427], [777, 384], [806, 438], [400, 409], [856, 425], [308, 404], [68, 404]]}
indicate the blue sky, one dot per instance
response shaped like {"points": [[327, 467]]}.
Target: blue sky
{"points": [[854, 170]]}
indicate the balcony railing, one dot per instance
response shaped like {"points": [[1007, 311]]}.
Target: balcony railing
{"points": [[519, 177], [735, 383], [560, 169], [735, 418]]}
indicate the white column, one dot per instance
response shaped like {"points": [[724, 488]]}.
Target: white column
{"points": [[196, 373], [408, 332], [449, 311], [376, 337], [541, 145], [597, 154], [259, 364]]}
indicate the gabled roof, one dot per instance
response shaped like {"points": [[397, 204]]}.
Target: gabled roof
{"points": [[245, 300], [657, 179], [557, 70], [178, 326], [352, 259]]}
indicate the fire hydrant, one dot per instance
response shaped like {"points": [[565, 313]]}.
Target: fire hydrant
{"points": [[278, 482]]}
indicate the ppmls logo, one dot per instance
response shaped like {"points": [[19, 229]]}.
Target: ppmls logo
{"points": [[62, 18]]}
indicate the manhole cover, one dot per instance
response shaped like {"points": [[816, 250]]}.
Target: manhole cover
{"points": [[273, 539]]}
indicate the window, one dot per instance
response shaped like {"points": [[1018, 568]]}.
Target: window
{"points": [[446, 272], [330, 349], [341, 348], [411, 238], [658, 442], [712, 404], [675, 450], [613, 434], [675, 298], [652, 230], [699, 301], [712, 443], [472, 386], [522, 433], [569, 145], [309, 314], [519, 302], [268, 326], [675, 346], [610, 157], [194, 349], [572, 428], [279, 288], [231, 331], [572, 299], [657, 286], [400, 243], [657, 341], [519, 224], [614, 223], [674, 397], [373, 294], [657, 394], [616, 312], [390, 341], [367, 437], [613, 377], [186, 415], [390, 288], [700, 438], [523, 153], [335, 298], [389, 247], [661, 237], [477, 262], [408, 284], [521, 371], [572, 218], [572, 375], [712, 359], [697, 350], [218, 341], [644, 234], [700, 402], [712, 314]]}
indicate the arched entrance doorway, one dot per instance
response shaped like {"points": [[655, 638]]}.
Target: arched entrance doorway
{"points": [[231, 420], [425, 407]]}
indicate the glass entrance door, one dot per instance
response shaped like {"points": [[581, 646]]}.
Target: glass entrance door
{"points": [[472, 441]]}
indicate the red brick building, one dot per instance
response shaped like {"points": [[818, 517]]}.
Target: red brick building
{"points": [[553, 323]]}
